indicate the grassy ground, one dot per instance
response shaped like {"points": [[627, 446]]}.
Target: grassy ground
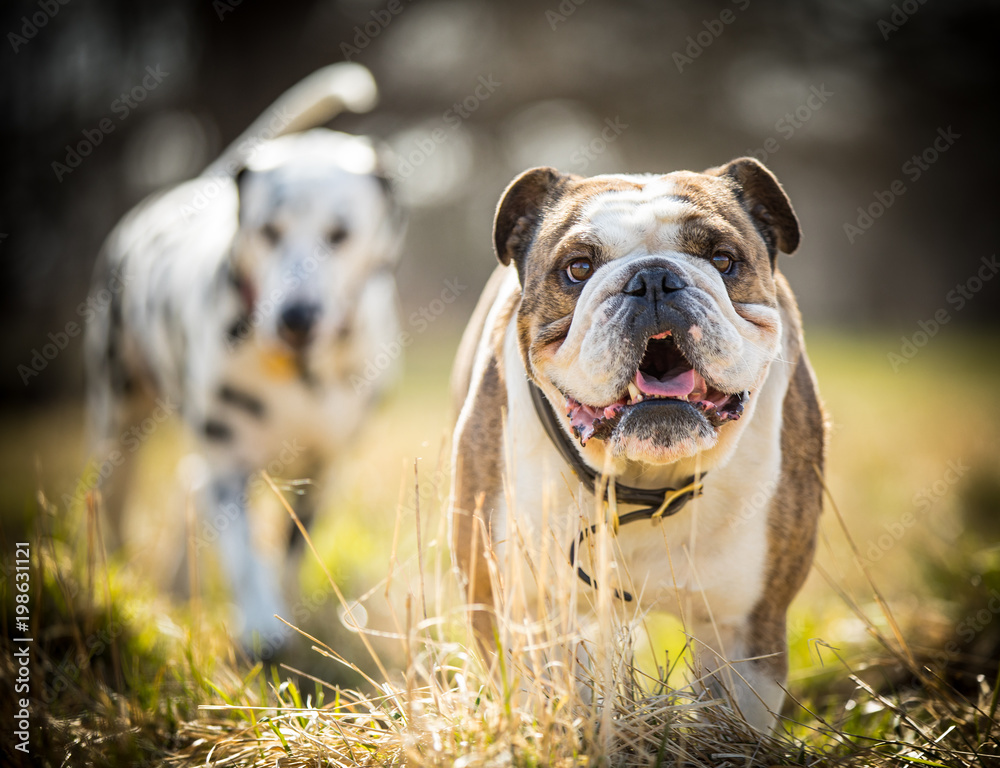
{"points": [[894, 640]]}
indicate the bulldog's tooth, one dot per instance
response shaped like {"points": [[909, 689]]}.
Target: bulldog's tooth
{"points": [[633, 392], [640, 397]]}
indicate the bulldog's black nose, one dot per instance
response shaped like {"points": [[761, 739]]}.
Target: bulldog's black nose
{"points": [[296, 323], [653, 284]]}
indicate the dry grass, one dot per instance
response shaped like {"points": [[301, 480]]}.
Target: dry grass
{"points": [[559, 693], [535, 705], [874, 679]]}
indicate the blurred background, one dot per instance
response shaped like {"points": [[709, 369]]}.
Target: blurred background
{"points": [[878, 118], [590, 88]]}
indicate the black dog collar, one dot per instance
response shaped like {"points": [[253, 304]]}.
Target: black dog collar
{"points": [[661, 502]]}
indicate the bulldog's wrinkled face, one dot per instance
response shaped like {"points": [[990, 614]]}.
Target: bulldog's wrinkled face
{"points": [[315, 224], [648, 313]]}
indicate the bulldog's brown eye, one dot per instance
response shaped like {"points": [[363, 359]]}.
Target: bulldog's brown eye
{"points": [[336, 236], [579, 270], [271, 233], [723, 261]]}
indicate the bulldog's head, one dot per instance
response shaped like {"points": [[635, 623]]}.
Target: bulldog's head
{"points": [[648, 313], [316, 222]]}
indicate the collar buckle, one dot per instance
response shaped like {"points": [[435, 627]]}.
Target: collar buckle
{"points": [[694, 488]]}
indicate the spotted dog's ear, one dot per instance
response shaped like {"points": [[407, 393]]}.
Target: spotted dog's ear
{"points": [[394, 224], [765, 200], [385, 179], [241, 178], [519, 211]]}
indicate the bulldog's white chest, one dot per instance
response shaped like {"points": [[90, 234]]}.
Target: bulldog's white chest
{"points": [[707, 562]]}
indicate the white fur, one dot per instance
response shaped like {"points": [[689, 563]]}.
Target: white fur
{"points": [[706, 564], [177, 308], [697, 564]]}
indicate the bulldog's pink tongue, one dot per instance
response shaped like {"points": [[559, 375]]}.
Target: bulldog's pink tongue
{"points": [[680, 386]]}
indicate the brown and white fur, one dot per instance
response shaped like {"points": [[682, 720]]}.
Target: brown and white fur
{"points": [[248, 302], [650, 250]]}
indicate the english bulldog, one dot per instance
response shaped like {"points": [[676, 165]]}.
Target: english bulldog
{"points": [[248, 302], [639, 342]]}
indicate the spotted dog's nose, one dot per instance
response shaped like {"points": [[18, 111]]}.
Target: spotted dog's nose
{"points": [[296, 323]]}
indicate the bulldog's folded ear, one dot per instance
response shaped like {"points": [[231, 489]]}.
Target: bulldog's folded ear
{"points": [[519, 211], [766, 202]]}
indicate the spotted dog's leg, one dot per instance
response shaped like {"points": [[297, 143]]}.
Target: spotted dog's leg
{"points": [[309, 496], [315, 491], [117, 454], [256, 588], [118, 399]]}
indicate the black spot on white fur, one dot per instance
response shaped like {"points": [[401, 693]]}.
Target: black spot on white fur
{"points": [[244, 401], [217, 431]]}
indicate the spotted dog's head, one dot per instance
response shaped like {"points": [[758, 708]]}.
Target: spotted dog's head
{"points": [[316, 222], [648, 313]]}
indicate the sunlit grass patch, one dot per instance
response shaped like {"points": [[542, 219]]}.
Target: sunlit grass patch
{"points": [[115, 668], [531, 704], [858, 696]]}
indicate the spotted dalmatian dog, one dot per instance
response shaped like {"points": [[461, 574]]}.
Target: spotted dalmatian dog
{"points": [[248, 301]]}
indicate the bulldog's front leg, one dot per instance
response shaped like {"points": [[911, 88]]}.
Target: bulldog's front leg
{"points": [[744, 660]]}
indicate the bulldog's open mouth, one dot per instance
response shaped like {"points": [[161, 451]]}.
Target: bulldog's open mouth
{"points": [[664, 374]]}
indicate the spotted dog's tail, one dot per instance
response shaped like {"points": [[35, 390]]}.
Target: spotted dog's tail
{"points": [[314, 101]]}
